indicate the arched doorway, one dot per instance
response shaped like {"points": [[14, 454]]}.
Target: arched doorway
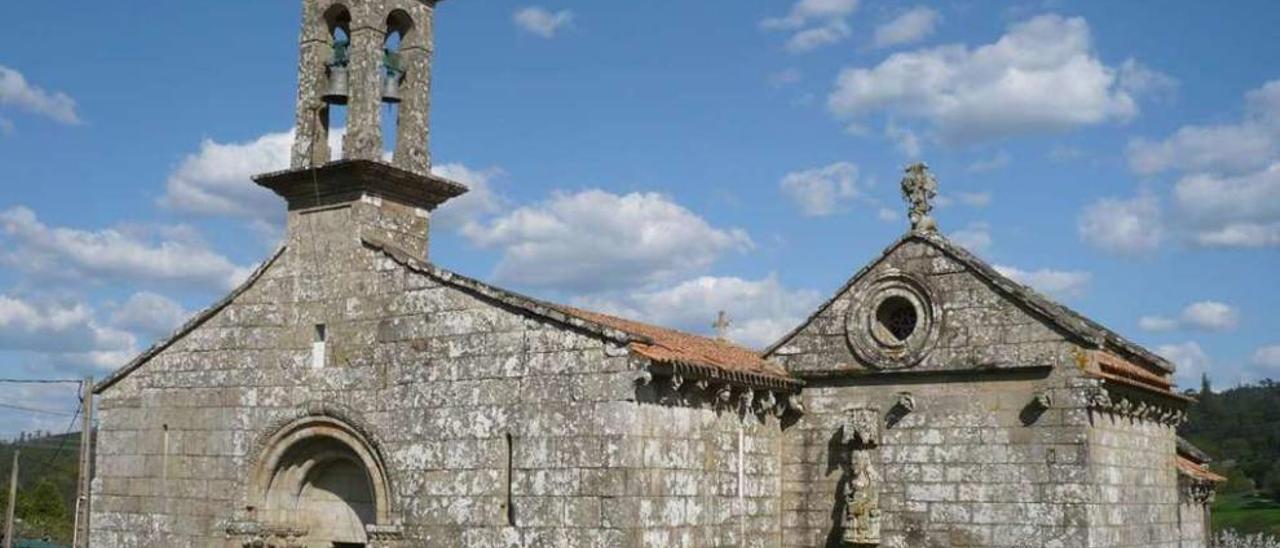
{"points": [[320, 484]]}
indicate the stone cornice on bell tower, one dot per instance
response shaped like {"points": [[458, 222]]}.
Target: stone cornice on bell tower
{"points": [[360, 55]]}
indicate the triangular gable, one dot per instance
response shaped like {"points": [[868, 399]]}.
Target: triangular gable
{"points": [[1068, 321]]}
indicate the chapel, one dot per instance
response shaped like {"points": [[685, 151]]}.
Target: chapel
{"points": [[354, 393]]}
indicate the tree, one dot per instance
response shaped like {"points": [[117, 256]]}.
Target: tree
{"points": [[43, 510], [1271, 484]]}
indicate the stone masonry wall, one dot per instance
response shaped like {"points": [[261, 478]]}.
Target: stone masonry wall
{"points": [[968, 467], [1136, 480], [438, 378]]}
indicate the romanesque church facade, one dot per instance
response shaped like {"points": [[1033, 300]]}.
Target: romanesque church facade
{"points": [[354, 393]]}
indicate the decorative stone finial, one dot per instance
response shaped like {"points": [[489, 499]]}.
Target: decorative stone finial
{"points": [[722, 326], [919, 188]]}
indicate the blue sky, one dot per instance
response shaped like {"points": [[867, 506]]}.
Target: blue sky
{"points": [[665, 161]]}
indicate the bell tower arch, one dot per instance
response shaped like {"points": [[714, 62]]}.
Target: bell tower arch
{"points": [[358, 62], [344, 62]]}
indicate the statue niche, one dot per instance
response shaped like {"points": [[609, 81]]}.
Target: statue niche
{"points": [[860, 486]]}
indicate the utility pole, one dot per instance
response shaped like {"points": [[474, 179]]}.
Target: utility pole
{"points": [[13, 500], [80, 531]]}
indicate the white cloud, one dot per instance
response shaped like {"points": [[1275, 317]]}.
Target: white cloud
{"points": [[1001, 159], [1058, 283], [804, 12], [823, 191], [1240, 235], [1190, 360], [541, 21], [1241, 211], [816, 37], [1157, 323], [150, 314], [1229, 191], [887, 215], [815, 23], [975, 237], [480, 200], [1042, 76], [761, 311], [1268, 357], [1203, 315], [904, 139], [1125, 227], [912, 26], [1210, 315], [215, 180], [1138, 79], [1251, 144], [129, 254], [593, 240], [66, 331], [15, 91]]}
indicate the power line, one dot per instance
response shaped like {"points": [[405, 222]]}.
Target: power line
{"points": [[40, 381], [36, 410]]}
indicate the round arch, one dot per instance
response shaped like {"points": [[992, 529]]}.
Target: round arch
{"points": [[323, 478]]}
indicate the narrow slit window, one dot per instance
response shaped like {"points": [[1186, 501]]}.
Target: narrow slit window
{"points": [[318, 347], [511, 511]]}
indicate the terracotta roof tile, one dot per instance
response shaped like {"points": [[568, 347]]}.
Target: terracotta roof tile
{"points": [[1190, 468], [672, 346]]}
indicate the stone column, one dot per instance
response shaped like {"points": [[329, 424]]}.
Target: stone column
{"points": [[364, 129], [413, 127], [311, 142]]}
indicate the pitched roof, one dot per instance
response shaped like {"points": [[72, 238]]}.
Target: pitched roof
{"points": [[1197, 471], [1064, 318], [686, 353], [670, 346]]}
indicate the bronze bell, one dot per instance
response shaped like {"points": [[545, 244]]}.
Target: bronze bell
{"points": [[391, 88], [337, 92], [392, 74]]}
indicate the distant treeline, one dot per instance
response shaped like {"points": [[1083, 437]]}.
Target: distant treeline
{"points": [[1240, 429], [46, 483]]}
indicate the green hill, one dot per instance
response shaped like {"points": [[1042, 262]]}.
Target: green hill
{"points": [[1240, 428], [46, 484]]}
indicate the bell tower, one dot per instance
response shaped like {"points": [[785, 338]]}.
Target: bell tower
{"points": [[362, 55], [367, 59]]}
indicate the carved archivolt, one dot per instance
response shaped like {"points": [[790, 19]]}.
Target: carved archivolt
{"points": [[296, 463]]}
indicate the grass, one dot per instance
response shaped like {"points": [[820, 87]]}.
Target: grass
{"points": [[1246, 513]]}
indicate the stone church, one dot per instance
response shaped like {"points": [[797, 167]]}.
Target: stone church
{"points": [[354, 393]]}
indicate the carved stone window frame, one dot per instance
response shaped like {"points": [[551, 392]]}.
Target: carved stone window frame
{"points": [[880, 350]]}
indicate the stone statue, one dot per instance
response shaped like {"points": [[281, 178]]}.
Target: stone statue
{"points": [[919, 188], [861, 501], [860, 521]]}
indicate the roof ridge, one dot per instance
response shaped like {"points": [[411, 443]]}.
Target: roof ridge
{"points": [[714, 340], [539, 307]]}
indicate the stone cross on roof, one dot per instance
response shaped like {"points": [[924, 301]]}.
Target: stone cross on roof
{"points": [[722, 325], [919, 188]]}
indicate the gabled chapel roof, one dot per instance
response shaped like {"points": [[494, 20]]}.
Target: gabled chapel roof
{"points": [[679, 352], [1065, 319]]}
